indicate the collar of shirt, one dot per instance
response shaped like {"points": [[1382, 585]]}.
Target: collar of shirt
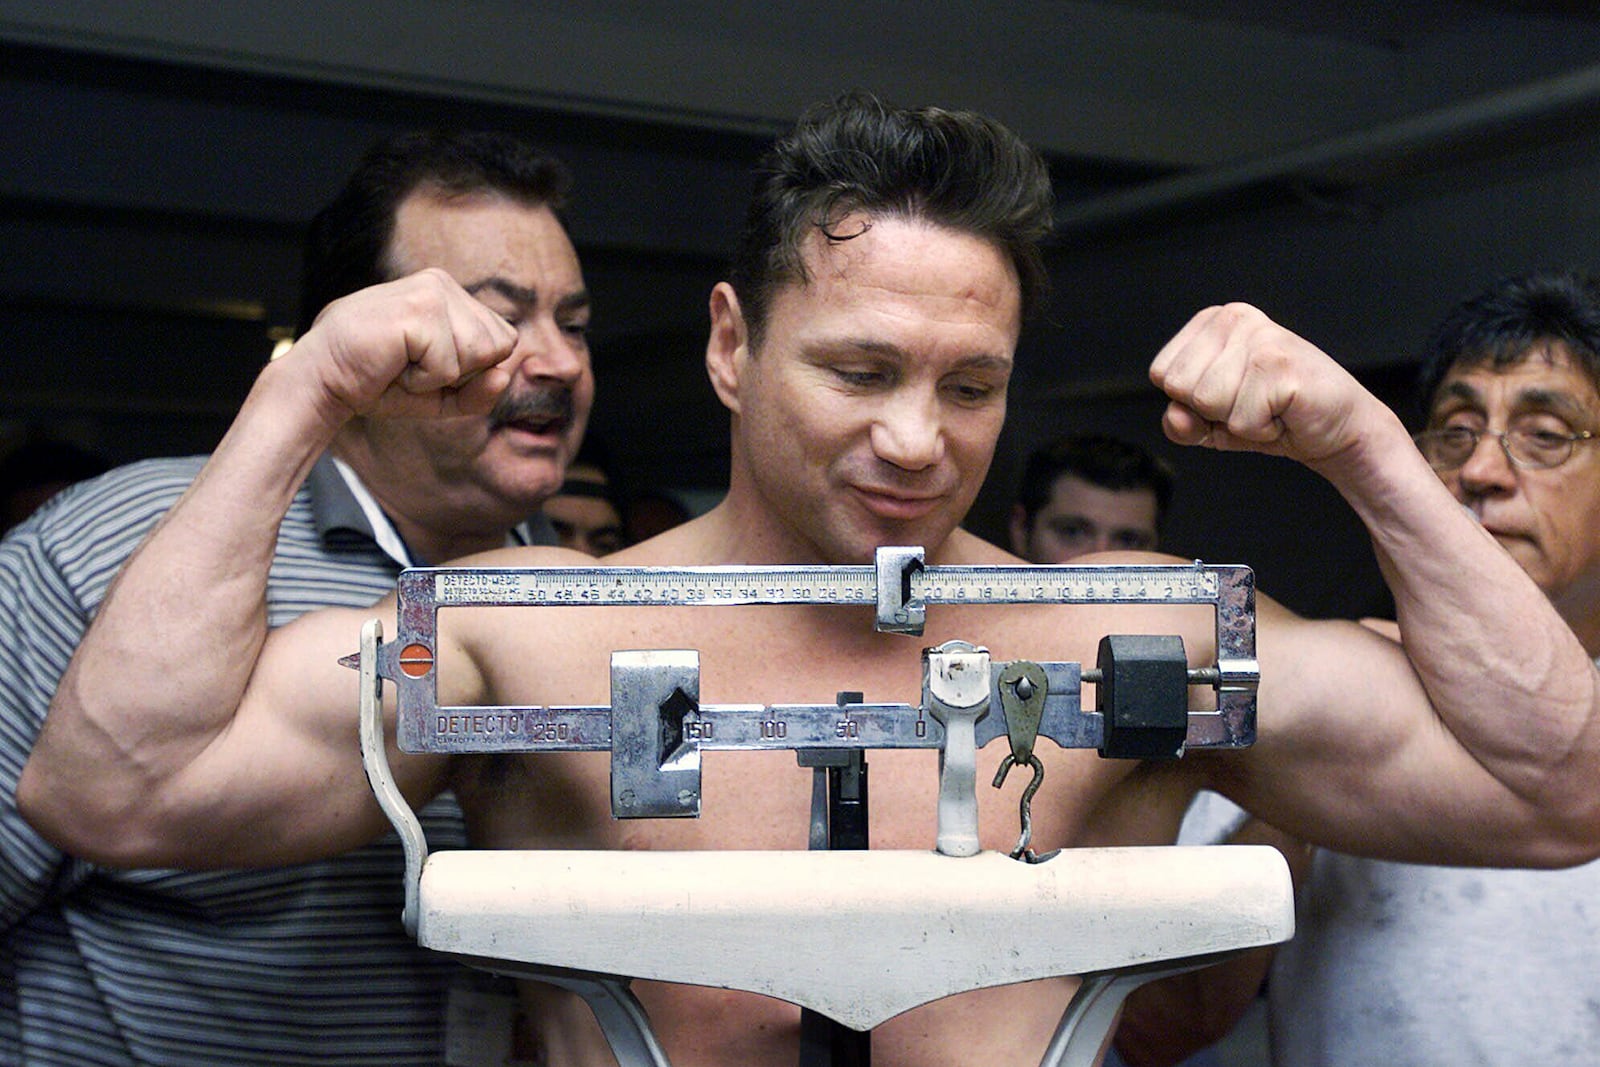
{"points": [[341, 501]]}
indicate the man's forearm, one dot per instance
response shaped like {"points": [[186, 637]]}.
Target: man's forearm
{"points": [[170, 650], [146, 737]]}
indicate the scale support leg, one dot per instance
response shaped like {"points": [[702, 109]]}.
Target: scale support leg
{"points": [[1093, 1010], [622, 1019]]}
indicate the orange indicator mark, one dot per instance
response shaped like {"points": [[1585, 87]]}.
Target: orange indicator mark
{"points": [[416, 660]]}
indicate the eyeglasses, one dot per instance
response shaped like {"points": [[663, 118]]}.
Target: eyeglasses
{"points": [[1448, 449]]}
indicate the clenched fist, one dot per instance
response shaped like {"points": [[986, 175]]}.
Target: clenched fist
{"points": [[1238, 381], [420, 345]]}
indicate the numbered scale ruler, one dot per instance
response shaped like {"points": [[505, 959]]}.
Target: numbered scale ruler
{"points": [[898, 585]]}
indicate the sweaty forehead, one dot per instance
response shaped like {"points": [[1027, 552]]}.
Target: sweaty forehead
{"points": [[892, 272], [905, 245]]}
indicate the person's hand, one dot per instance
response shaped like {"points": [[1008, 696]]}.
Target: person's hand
{"points": [[1238, 381], [417, 346]]}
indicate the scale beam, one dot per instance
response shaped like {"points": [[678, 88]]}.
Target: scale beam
{"points": [[898, 586]]}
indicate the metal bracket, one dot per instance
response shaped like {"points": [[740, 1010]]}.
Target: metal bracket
{"points": [[655, 727], [955, 684]]}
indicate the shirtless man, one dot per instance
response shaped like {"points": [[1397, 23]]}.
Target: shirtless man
{"points": [[863, 347]]}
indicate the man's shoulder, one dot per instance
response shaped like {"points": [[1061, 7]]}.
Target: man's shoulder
{"points": [[156, 471], [966, 549], [94, 517], [124, 493], [80, 537]]}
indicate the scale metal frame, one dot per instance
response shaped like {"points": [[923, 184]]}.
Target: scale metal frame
{"points": [[897, 585]]}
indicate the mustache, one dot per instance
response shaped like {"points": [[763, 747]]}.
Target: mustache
{"points": [[537, 404]]}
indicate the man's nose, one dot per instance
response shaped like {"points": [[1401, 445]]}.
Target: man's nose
{"points": [[908, 432], [547, 349], [1488, 469]]}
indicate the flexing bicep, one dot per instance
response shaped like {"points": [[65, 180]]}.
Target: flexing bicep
{"points": [[280, 780], [284, 782], [1353, 755]]}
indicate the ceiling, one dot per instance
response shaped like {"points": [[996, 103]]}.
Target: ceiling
{"points": [[158, 160]]}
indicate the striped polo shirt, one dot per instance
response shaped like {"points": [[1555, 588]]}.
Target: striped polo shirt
{"points": [[298, 965]]}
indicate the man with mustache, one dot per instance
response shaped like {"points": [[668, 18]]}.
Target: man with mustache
{"points": [[304, 963], [1432, 965], [863, 346]]}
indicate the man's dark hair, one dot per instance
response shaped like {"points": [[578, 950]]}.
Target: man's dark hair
{"points": [[956, 169], [1514, 317], [1099, 460], [593, 453], [348, 243]]}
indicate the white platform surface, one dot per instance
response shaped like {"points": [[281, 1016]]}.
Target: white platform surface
{"points": [[857, 936]]}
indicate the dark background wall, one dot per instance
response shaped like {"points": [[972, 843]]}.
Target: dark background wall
{"points": [[1351, 167]]}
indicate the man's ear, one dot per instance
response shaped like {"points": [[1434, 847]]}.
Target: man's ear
{"points": [[728, 346], [1018, 525]]}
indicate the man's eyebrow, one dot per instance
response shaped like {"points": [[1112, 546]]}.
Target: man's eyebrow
{"points": [[577, 301], [1554, 400], [1459, 390], [525, 295], [517, 294], [983, 360], [1535, 398]]}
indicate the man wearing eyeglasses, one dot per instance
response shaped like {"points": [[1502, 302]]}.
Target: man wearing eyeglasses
{"points": [[1512, 412], [1396, 963]]}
